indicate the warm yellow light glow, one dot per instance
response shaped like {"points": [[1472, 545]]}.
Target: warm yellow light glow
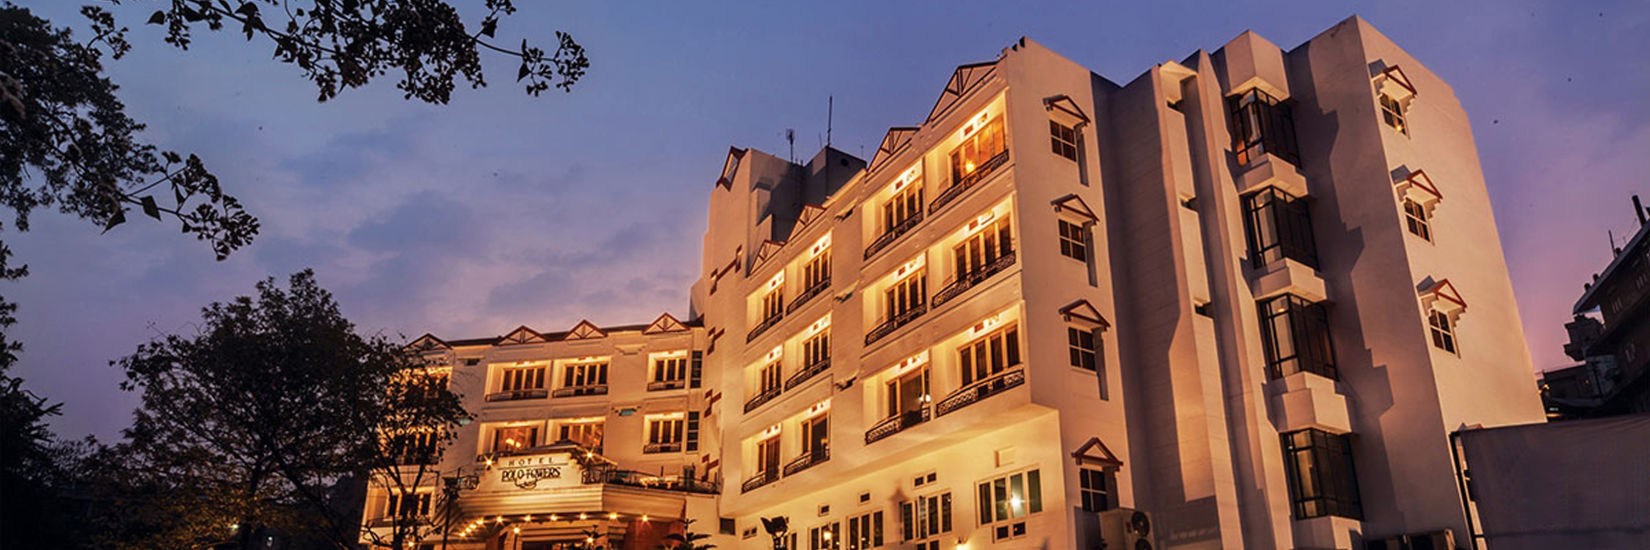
{"points": [[528, 517], [968, 167], [582, 515], [1015, 502], [499, 520], [827, 535], [517, 530], [552, 517], [644, 518]]}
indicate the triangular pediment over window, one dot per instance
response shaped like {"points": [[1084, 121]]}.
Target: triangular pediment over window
{"points": [[892, 143], [962, 80], [730, 167], [767, 250], [1073, 205], [665, 323], [1418, 187], [1392, 82], [427, 342], [1064, 110], [1442, 296], [1095, 453], [585, 330], [521, 335], [810, 212], [1083, 311]]}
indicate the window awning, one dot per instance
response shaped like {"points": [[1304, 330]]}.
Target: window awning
{"points": [[1095, 453], [1083, 311], [1064, 110], [1418, 187], [1073, 205], [1393, 83], [1442, 296]]}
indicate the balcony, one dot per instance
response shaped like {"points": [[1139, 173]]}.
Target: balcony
{"points": [[576, 391], [802, 299], [888, 326], [979, 390], [516, 395], [897, 423], [807, 372], [959, 285], [965, 182], [631, 478], [807, 461], [764, 397], [666, 385], [763, 327], [416, 459], [664, 447], [761, 478], [893, 234]]}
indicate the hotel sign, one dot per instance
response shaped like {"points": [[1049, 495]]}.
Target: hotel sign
{"points": [[531, 472]]}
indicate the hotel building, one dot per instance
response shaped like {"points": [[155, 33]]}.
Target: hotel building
{"points": [[1222, 305]]}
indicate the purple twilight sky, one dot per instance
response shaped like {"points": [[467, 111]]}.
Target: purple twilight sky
{"points": [[501, 209]]}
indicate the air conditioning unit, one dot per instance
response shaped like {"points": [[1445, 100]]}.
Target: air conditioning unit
{"points": [[1126, 529], [1435, 540]]}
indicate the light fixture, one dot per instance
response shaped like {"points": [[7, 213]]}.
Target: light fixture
{"points": [[583, 515], [644, 518], [517, 529], [612, 515]]}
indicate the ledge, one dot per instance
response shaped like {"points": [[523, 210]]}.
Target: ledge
{"points": [[1269, 170], [1306, 400], [1288, 276]]}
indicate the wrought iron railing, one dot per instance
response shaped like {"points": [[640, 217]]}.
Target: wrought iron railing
{"points": [[764, 326], [807, 372], [807, 461], [664, 385], [961, 284], [632, 478], [894, 323], [808, 294], [963, 183], [764, 397], [897, 423], [762, 478], [575, 391], [979, 390], [888, 237], [666, 447], [512, 395]]}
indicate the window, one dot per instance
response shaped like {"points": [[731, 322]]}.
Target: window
{"points": [[824, 537], [696, 369], [664, 435], [670, 369], [977, 152], [767, 457], [1085, 348], [413, 448], [1442, 330], [1279, 226], [817, 349], [817, 272], [1419, 222], [515, 438], [692, 431], [1095, 487], [990, 354], [865, 531], [529, 378], [1064, 140], [906, 205], [924, 518], [1262, 124], [1074, 241], [978, 252], [1006, 501], [773, 303], [908, 393], [584, 374], [906, 296], [407, 505], [770, 377], [1392, 112], [1318, 465], [586, 434], [816, 437], [1295, 337]]}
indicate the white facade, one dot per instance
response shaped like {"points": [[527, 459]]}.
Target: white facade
{"points": [[1210, 294]]}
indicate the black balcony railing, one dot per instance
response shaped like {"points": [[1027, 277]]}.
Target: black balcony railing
{"points": [[764, 326], [979, 390], [632, 478], [666, 385], [897, 423], [761, 478], [807, 461], [513, 395], [807, 372], [808, 294], [965, 182], [664, 447], [764, 397], [414, 459], [888, 326], [968, 280], [893, 234], [575, 391]]}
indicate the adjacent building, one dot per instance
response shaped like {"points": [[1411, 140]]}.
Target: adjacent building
{"points": [[1239, 301], [1615, 353]]}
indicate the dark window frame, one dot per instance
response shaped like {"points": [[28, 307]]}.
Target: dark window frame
{"points": [[1278, 226], [1074, 242], [1065, 141], [1262, 124], [1295, 336], [1328, 486]]}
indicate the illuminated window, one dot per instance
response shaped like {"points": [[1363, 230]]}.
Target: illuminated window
{"points": [[1085, 348], [908, 394], [906, 205], [770, 376], [515, 438], [517, 379], [979, 252], [767, 457], [586, 434], [1392, 112], [1074, 241], [978, 154], [664, 435], [990, 354], [1095, 486], [1005, 502], [925, 518], [1443, 331], [1063, 139], [1322, 482], [407, 505], [816, 438], [669, 372], [1417, 219], [817, 272], [865, 531], [584, 374], [817, 349], [414, 448], [824, 537], [906, 295], [773, 303]]}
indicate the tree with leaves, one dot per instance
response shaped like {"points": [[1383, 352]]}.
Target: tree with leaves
{"points": [[416, 422], [274, 401], [687, 540]]}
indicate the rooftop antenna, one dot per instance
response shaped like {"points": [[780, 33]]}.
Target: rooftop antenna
{"points": [[790, 138], [830, 113]]}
